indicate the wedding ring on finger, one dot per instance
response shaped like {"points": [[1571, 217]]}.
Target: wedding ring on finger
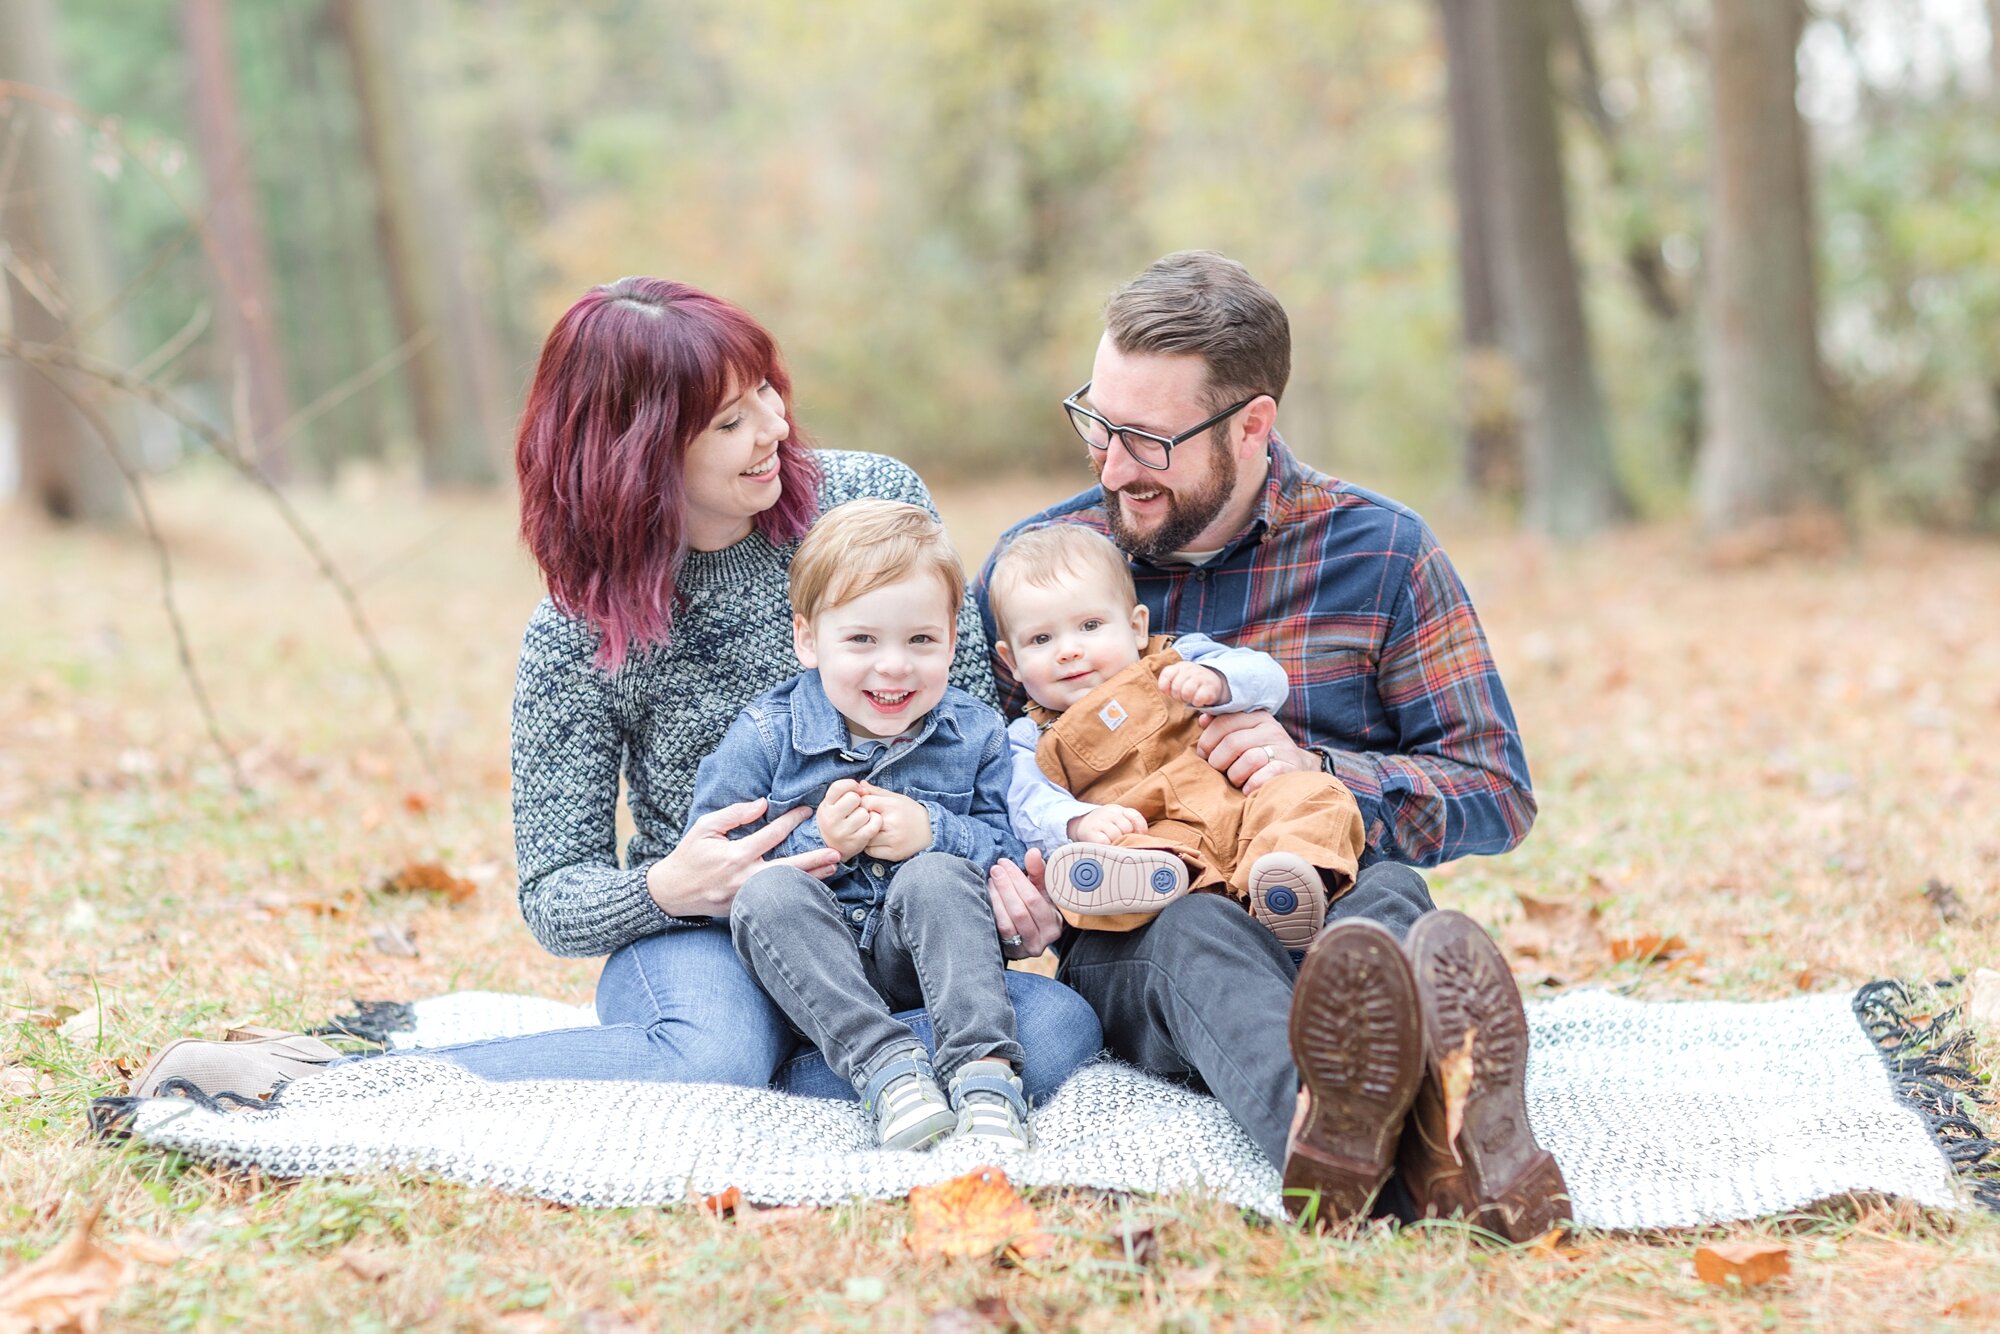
{"points": [[1013, 942], [1270, 754]]}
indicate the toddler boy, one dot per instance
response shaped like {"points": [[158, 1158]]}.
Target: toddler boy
{"points": [[908, 775], [1106, 778]]}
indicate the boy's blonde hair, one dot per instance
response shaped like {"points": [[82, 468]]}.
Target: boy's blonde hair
{"points": [[864, 545], [1041, 556]]}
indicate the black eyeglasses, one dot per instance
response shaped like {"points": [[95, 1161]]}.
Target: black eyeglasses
{"points": [[1146, 449]]}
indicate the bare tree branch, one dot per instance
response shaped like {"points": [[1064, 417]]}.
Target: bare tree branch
{"points": [[47, 354], [143, 503]]}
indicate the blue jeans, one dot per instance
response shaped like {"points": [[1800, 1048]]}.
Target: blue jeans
{"points": [[679, 1007]]}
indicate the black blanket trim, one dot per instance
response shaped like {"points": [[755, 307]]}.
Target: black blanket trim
{"points": [[372, 1021], [1925, 1055]]}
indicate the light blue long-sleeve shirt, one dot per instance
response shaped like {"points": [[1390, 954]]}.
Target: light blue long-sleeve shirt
{"points": [[1041, 808]]}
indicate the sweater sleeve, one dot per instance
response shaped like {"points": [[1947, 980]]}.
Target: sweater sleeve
{"points": [[567, 749]]}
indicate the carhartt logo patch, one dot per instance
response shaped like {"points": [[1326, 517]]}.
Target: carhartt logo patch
{"points": [[1112, 715]]}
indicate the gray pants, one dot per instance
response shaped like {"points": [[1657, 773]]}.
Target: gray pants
{"points": [[936, 946], [1203, 993]]}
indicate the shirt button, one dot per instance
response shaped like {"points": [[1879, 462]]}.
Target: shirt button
{"points": [[877, 868], [859, 914]]}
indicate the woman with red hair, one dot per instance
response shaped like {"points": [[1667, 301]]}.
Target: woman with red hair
{"points": [[664, 487]]}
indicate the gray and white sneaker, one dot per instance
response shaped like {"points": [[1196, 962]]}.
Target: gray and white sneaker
{"points": [[991, 1105], [910, 1110]]}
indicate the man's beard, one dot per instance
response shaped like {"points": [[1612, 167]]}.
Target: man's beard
{"points": [[1189, 511]]}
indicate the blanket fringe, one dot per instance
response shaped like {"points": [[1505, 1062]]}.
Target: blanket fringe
{"points": [[371, 1021], [1926, 1058]]}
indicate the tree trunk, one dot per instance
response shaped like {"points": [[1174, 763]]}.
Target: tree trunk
{"points": [[1492, 431], [456, 423], [57, 274], [1571, 488], [243, 270], [1765, 448]]}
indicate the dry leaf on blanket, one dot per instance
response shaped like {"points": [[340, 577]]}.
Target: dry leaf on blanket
{"points": [[1982, 999], [1455, 1073], [976, 1214], [66, 1289], [722, 1204], [429, 877], [1749, 1263]]}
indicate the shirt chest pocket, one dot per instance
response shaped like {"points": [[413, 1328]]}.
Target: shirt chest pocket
{"points": [[952, 803], [1104, 737]]}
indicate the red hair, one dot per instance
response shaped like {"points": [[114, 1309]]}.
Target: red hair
{"points": [[629, 376]]}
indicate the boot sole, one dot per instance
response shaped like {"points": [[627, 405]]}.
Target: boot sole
{"points": [[1100, 879], [1515, 1187], [1355, 1039], [1289, 898]]}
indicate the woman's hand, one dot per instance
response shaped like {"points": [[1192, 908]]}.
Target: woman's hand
{"points": [[1028, 922], [1250, 749], [701, 876], [1103, 824]]}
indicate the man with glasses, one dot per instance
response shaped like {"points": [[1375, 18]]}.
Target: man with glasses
{"points": [[1345, 1065]]}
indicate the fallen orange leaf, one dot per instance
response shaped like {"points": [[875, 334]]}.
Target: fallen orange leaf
{"points": [[976, 1214], [1750, 1263], [723, 1204], [68, 1288], [430, 877], [1648, 947], [1455, 1073]]}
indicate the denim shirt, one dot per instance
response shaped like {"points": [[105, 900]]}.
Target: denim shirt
{"points": [[790, 744]]}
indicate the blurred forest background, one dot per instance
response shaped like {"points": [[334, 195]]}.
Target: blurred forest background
{"points": [[1592, 259]]}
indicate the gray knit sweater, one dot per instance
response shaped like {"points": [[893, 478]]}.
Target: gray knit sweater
{"points": [[576, 728]]}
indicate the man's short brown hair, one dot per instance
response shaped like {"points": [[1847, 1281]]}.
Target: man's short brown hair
{"points": [[1043, 555], [1201, 302], [864, 545]]}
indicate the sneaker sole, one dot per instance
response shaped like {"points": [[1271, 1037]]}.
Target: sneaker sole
{"points": [[1356, 1040], [1100, 879], [1516, 1188], [1288, 897]]}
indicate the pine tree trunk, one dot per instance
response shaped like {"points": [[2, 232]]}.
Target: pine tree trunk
{"points": [[46, 219], [1492, 462], [1765, 448], [434, 312], [249, 316], [1571, 489]]}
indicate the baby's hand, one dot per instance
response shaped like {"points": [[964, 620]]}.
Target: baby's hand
{"points": [[1103, 824], [1194, 685], [845, 823], [905, 826]]}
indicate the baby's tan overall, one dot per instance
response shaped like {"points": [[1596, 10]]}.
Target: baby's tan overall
{"points": [[1128, 743]]}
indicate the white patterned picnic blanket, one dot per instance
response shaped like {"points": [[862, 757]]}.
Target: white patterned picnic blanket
{"points": [[1663, 1114]]}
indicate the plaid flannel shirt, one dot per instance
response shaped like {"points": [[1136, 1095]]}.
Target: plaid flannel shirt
{"points": [[1391, 679]]}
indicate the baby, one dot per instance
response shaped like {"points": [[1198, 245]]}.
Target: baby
{"points": [[908, 775], [1107, 781]]}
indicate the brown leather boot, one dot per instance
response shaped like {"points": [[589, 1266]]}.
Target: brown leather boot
{"points": [[1492, 1173], [1358, 1047]]}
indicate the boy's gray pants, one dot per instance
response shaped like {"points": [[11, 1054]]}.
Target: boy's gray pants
{"points": [[935, 946]]}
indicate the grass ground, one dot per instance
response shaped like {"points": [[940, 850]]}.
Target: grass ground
{"points": [[1768, 762]]}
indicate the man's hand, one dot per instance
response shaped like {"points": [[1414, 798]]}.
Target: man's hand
{"points": [[1103, 824], [845, 824], [1194, 685], [1028, 922], [1250, 749], [904, 827]]}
